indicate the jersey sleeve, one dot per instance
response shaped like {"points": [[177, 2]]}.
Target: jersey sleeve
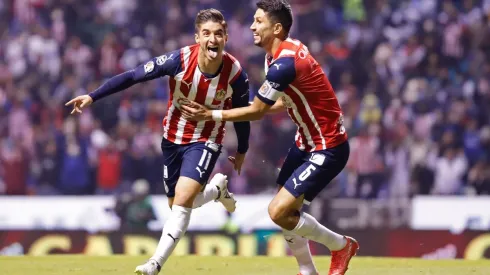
{"points": [[167, 64], [240, 90], [281, 73], [240, 99]]}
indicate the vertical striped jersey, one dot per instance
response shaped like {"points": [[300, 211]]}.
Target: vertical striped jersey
{"points": [[293, 75], [225, 90]]}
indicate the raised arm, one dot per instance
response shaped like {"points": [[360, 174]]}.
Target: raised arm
{"points": [[167, 64]]}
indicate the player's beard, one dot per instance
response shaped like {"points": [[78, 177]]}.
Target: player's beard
{"points": [[259, 42], [263, 41]]}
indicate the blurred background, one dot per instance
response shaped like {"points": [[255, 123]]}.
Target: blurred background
{"points": [[412, 76]]}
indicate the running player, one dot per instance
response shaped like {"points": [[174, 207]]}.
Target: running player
{"points": [[206, 74], [295, 81]]}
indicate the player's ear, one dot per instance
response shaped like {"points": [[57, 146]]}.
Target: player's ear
{"points": [[277, 28], [196, 37]]}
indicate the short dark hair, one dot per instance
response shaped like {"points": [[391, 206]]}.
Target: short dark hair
{"points": [[279, 11], [213, 15]]}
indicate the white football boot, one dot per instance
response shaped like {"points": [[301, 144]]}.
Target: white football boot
{"points": [[149, 268], [224, 196]]}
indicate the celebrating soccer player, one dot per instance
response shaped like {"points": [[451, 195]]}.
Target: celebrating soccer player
{"points": [[203, 73], [295, 81]]}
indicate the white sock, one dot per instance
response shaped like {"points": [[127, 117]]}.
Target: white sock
{"points": [[173, 230], [311, 229], [301, 251], [210, 193]]}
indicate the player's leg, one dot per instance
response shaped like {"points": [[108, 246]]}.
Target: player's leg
{"points": [[181, 192], [205, 158], [179, 216], [304, 184], [208, 193], [297, 244], [214, 190], [283, 212], [176, 225], [198, 161], [300, 249]]}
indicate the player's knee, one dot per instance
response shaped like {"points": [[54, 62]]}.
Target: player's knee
{"points": [[184, 201], [186, 191], [277, 213]]}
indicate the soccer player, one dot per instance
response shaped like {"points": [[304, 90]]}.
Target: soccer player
{"points": [[295, 81], [206, 74]]}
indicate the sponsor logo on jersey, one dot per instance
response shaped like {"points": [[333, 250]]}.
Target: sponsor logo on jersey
{"points": [[163, 58]]}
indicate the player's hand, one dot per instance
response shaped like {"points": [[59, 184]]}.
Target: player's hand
{"points": [[195, 111], [237, 162], [79, 103]]}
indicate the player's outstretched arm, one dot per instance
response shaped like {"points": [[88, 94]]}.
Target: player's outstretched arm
{"points": [[276, 108], [280, 74], [197, 112], [168, 64]]}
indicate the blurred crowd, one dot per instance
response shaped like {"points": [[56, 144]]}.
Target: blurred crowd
{"points": [[412, 76]]}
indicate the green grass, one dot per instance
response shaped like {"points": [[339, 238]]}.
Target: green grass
{"points": [[194, 265]]}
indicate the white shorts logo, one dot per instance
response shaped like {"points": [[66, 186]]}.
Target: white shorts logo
{"points": [[213, 146], [296, 184], [317, 159], [200, 172]]}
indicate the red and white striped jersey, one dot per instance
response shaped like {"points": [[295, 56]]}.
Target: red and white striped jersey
{"points": [[187, 82], [296, 77]]}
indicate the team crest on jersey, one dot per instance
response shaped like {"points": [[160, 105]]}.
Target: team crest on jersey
{"points": [[220, 95], [149, 67]]}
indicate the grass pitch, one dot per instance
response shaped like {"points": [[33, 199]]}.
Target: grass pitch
{"points": [[197, 265]]}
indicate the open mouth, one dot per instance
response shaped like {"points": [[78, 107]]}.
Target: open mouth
{"points": [[213, 51]]}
